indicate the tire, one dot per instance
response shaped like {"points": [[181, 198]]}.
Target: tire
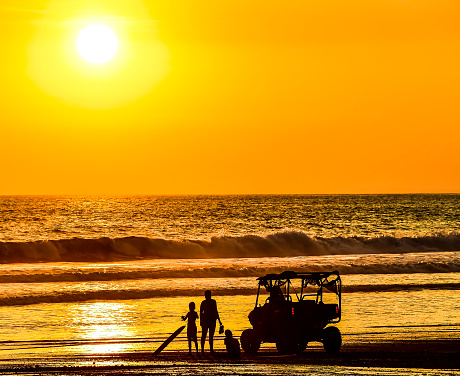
{"points": [[249, 341], [332, 339]]}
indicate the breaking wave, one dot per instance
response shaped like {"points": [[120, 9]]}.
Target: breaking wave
{"points": [[276, 245]]}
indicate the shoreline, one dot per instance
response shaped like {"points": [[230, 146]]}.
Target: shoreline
{"points": [[441, 354]]}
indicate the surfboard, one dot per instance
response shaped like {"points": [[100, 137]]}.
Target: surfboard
{"points": [[168, 341]]}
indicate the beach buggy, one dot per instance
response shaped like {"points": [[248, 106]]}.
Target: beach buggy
{"points": [[298, 310]]}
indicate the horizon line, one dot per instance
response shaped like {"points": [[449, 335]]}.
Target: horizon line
{"points": [[224, 194]]}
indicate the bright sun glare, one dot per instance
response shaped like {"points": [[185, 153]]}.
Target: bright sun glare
{"points": [[97, 43]]}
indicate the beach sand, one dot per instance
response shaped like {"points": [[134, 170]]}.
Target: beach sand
{"points": [[402, 357]]}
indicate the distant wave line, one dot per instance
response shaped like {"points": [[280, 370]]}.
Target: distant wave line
{"points": [[110, 295], [231, 271]]}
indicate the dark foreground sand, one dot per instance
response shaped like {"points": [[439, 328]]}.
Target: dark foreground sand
{"points": [[402, 354]]}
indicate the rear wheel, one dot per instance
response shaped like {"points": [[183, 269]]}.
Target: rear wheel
{"points": [[249, 341], [332, 339]]}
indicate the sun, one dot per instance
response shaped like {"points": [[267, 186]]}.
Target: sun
{"points": [[97, 43], [100, 60]]}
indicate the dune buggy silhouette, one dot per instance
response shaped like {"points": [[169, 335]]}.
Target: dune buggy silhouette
{"points": [[295, 313]]}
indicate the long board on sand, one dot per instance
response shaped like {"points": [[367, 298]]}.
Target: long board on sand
{"points": [[168, 341]]}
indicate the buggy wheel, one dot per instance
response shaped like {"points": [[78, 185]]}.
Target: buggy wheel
{"points": [[332, 339], [249, 341]]}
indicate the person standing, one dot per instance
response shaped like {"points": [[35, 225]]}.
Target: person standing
{"points": [[208, 317], [191, 317]]}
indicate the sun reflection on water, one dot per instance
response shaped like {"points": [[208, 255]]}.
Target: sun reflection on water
{"points": [[104, 326]]}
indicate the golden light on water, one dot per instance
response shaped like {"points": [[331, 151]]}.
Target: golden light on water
{"points": [[104, 322]]}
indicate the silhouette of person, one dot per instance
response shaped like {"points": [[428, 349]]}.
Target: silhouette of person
{"points": [[208, 318], [276, 295], [191, 317], [232, 345]]}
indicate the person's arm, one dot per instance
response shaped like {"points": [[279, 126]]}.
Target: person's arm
{"points": [[217, 313], [201, 313]]}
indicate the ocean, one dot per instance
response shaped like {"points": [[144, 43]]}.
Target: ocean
{"points": [[86, 275]]}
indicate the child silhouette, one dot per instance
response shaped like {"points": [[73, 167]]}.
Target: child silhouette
{"points": [[232, 345], [191, 317]]}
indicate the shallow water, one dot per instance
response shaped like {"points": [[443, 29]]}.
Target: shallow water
{"points": [[105, 327]]}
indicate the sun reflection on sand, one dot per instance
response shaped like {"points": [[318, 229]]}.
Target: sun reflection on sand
{"points": [[105, 323]]}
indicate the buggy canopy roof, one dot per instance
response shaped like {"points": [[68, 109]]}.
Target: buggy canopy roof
{"points": [[293, 275], [330, 280]]}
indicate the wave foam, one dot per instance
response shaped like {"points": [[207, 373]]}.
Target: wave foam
{"points": [[276, 245]]}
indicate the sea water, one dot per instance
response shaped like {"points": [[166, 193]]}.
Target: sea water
{"points": [[103, 275]]}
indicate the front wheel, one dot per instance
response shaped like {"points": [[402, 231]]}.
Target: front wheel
{"points": [[332, 339], [249, 341]]}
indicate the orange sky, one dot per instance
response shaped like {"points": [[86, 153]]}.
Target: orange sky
{"points": [[236, 96]]}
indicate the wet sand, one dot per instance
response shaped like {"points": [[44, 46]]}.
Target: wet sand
{"points": [[403, 354]]}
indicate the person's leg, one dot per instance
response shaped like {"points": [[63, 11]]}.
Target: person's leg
{"points": [[190, 345], [195, 338], [204, 331], [212, 329]]}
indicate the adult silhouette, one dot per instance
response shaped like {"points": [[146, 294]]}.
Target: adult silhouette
{"points": [[208, 317]]}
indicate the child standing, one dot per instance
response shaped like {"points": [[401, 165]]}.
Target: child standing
{"points": [[191, 317]]}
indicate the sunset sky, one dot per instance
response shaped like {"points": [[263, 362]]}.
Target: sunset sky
{"points": [[222, 97]]}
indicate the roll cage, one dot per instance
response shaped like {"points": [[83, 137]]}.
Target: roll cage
{"points": [[273, 284]]}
